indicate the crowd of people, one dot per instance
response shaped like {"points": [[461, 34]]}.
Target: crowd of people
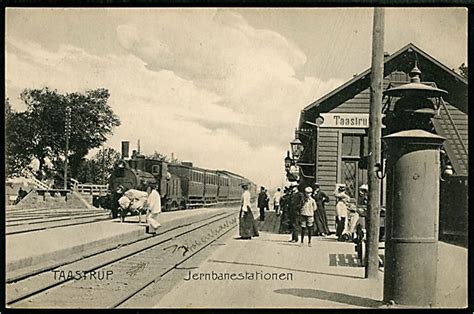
{"points": [[302, 211]]}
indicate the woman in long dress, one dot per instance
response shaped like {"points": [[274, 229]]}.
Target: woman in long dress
{"points": [[247, 227], [320, 217]]}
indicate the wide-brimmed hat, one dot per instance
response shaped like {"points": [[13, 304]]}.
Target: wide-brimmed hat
{"points": [[364, 187]]}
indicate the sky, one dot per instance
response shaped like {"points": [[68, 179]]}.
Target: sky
{"points": [[222, 88]]}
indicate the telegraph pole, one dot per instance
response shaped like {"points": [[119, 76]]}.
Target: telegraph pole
{"points": [[375, 134], [67, 132]]}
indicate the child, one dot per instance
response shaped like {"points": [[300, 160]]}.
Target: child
{"points": [[307, 214]]}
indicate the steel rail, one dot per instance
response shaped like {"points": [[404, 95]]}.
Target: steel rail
{"points": [[157, 278], [115, 260]]}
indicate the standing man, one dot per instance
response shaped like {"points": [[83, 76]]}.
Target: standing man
{"points": [[153, 204], [267, 200], [307, 214], [247, 227], [296, 202], [276, 201], [262, 202], [320, 217]]}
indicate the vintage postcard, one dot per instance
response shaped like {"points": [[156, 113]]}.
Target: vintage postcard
{"points": [[236, 157]]}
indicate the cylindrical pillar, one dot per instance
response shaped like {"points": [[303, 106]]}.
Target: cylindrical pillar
{"points": [[411, 244]]}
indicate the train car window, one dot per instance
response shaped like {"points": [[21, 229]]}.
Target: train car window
{"points": [[155, 169]]}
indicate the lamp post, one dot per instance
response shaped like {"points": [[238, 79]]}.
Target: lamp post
{"points": [[413, 183], [67, 129]]}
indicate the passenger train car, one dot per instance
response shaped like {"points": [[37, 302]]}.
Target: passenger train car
{"points": [[181, 185]]}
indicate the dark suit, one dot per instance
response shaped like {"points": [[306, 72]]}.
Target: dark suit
{"points": [[296, 202], [262, 203]]}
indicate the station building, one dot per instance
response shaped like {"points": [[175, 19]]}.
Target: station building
{"points": [[334, 134]]}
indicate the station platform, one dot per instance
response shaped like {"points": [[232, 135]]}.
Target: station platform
{"points": [[32, 251], [326, 275]]}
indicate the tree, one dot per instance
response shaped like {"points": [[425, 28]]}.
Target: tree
{"points": [[17, 148], [463, 70], [41, 134], [98, 169], [157, 156]]}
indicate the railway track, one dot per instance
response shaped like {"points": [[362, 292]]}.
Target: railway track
{"points": [[31, 220], [126, 271], [34, 220]]}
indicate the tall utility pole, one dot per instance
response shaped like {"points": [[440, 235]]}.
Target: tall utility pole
{"points": [[67, 129], [375, 134]]}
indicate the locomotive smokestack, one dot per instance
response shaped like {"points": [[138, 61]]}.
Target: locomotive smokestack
{"points": [[125, 147]]}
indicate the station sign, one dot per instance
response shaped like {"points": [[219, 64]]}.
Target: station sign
{"points": [[345, 120]]}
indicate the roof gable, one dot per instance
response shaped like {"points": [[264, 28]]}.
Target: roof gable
{"points": [[402, 60]]}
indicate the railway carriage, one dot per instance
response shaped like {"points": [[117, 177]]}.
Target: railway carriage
{"points": [[223, 186], [211, 186], [191, 183]]}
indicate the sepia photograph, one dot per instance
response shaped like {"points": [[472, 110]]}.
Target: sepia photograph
{"points": [[236, 157]]}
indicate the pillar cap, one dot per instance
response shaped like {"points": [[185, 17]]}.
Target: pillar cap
{"points": [[415, 134]]}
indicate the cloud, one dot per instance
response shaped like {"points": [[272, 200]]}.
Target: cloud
{"points": [[252, 70], [207, 86]]}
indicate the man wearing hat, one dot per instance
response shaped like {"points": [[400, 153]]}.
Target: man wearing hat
{"points": [[153, 205], [115, 206], [307, 214], [363, 194], [295, 204], [262, 202]]}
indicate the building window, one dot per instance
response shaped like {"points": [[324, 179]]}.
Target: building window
{"points": [[355, 145], [353, 167]]}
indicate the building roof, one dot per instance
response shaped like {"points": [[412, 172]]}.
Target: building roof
{"points": [[402, 60], [432, 71]]}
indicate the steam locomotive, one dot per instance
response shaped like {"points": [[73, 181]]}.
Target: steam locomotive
{"points": [[181, 186]]}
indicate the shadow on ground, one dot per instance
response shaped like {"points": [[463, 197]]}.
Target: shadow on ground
{"points": [[332, 296]]}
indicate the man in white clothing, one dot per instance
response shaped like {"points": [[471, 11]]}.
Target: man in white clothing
{"points": [[276, 201], [153, 205]]}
